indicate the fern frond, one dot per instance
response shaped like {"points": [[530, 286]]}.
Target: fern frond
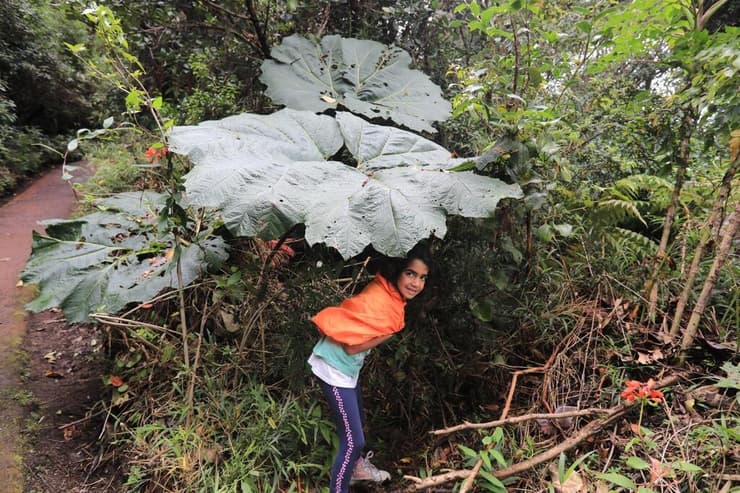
{"points": [[618, 210], [648, 183], [626, 241]]}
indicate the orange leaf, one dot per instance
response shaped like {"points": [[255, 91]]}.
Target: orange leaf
{"points": [[116, 381], [658, 470]]}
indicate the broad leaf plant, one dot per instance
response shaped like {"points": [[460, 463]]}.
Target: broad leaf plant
{"points": [[264, 174], [268, 173], [110, 258]]}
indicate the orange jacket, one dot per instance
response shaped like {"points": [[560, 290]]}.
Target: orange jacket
{"points": [[378, 310]]}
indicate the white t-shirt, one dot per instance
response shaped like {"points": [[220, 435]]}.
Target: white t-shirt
{"points": [[329, 374]]}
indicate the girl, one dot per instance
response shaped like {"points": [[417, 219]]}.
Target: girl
{"points": [[349, 331]]}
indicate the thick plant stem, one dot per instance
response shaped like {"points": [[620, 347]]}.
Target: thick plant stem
{"points": [[722, 194], [704, 15], [259, 29], [196, 361], [651, 289], [728, 237], [183, 318]]}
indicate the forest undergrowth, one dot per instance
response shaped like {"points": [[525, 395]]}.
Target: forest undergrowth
{"points": [[456, 395], [579, 330]]}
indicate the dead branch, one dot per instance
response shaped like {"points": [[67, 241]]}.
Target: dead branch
{"points": [[468, 484], [518, 419], [728, 238], [433, 481], [589, 429], [712, 224]]}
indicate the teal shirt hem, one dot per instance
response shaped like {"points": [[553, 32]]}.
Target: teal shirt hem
{"points": [[337, 357]]}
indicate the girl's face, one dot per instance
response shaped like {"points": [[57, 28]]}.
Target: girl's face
{"points": [[412, 279]]}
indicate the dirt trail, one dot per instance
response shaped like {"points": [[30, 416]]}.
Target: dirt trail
{"points": [[47, 197]]}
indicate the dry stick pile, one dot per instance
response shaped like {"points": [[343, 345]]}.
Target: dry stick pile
{"points": [[586, 431]]}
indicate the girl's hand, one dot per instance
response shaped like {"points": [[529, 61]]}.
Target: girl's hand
{"points": [[358, 348]]}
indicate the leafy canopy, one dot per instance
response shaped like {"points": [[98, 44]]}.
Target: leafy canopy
{"points": [[363, 76], [116, 256], [268, 173]]}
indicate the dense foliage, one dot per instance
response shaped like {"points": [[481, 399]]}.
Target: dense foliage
{"points": [[619, 123]]}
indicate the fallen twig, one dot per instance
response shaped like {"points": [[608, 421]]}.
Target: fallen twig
{"points": [[518, 419], [589, 429]]}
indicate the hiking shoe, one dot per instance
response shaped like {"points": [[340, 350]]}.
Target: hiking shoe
{"points": [[366, 471]]}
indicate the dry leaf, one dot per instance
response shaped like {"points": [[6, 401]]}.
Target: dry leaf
{"points": [[51, 357], [602, 487], [707, 394], [69, 432], [231, 324], [643, 358], [53, 374], [658, 470], [574, 483], [546, 426]]}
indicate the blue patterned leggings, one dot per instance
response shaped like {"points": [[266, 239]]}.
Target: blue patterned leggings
{"points": [[346, 409]]}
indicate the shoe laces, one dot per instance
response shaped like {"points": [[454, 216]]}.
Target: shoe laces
{"points": [[369, 469]]}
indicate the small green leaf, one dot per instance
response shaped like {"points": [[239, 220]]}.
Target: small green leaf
{"points": [[637, 463], [75, 48], [486, 458], [687, 467], [499, 457], [134, 100], [494, 481], [564, 230], [482, 309], [466, 166], [157, 103], [584, 26], [619, 480], [470, 453], [545, 233]]}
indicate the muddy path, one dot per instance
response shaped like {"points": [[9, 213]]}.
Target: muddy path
{"points": [[49, 371]]}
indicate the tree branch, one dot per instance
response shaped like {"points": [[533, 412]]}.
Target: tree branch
{"points": [[589, 429], [259, 29], [518, 419]]}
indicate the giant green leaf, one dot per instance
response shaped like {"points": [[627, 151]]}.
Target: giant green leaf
{"points": [[397, 192], [366, 77], [107, 259]]}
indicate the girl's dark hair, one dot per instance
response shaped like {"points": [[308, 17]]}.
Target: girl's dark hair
{"points": [[392, 268]]}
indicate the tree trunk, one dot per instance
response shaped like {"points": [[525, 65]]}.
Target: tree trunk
{"points": [[651, 288], [724, 192], [724, 251]]}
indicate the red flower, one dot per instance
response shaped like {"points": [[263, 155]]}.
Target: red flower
{"points": [[116, 381], [154, 153], [635, 390], [656, 395]]}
